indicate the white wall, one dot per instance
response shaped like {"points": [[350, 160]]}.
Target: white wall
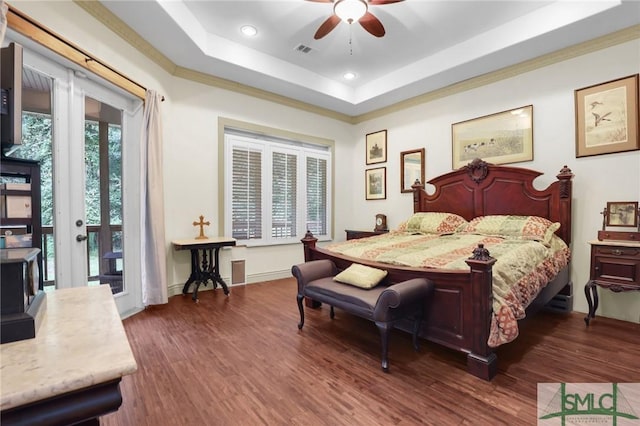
{"points": [[191, 112], [598, 179]]}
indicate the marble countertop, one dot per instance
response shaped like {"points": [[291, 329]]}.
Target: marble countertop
{"points": [[80, 342], [615, 243]]}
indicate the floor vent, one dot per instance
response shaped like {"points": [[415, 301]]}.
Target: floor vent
{"points": [[238, 272]]}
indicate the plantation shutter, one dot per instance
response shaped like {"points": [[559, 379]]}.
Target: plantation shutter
{"points": [[246, 221], [317, 196], [284, 195]]}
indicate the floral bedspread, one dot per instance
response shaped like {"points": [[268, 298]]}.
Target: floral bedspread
{"points": [[522, 269]]}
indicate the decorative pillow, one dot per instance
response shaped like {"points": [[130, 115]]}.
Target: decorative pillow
{"points": [[435, 223], [361, 276], [510, 226]]}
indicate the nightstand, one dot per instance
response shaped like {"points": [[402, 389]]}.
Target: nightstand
{"points": [[354, 235], [615, 265]]}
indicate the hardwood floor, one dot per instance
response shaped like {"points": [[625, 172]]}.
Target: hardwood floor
{"points": [[241, 360]]}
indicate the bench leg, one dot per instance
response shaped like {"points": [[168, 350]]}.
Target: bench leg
{"points": [[301, 309], [416, 332], [384, 328], [332, 313]]}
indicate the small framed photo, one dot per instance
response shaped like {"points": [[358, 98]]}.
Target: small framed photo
{"points": [[622, 213], [376, 147], [607, 117], [411, 169], [375, 183], [501, 138]]}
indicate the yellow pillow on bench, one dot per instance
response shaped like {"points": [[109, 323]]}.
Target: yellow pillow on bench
{"points": [[361, 276]]}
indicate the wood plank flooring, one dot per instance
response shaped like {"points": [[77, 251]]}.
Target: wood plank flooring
{"points": [[241, 360]]}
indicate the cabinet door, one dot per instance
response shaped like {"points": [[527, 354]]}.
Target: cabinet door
{"points": [[615, 267]]}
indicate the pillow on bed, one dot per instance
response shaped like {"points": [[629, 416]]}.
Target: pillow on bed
{"points": [[361, 276], [510, 226], [435, 223]]}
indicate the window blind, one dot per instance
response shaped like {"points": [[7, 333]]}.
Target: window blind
{"points": [[275, 191]]}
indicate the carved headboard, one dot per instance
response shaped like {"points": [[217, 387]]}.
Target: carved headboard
{"points": [[480, 189]]}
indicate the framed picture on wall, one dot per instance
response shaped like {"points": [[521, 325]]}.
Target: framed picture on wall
{"points": [[376, 145], [607, 117], [375, 182], [411, 168], [622, 213], [501, 138]]}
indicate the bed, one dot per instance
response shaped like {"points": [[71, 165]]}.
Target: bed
{"points": [[460, 314]]}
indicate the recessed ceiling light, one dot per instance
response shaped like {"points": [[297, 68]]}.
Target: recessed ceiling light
{"points": [[249, 30], [349, 75]]}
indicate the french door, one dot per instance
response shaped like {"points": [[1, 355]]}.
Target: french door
{"points": [[91, 200]]}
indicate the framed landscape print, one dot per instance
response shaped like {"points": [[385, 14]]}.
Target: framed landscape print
{"points": [[500, 138], [607, 117], [411, 168], [375, 183], [376, 147]]}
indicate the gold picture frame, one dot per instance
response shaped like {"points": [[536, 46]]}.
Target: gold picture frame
{"points": [[376, 147], [622, 213], [501, 138], [411, 168], [607, 117], [375, 183]]}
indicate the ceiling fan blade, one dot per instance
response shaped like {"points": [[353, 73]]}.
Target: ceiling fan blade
{"points": [[372, 25], [327, 26], [380, 2]]}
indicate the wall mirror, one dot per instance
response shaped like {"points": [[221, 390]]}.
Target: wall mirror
{"points": [[411, 168]]}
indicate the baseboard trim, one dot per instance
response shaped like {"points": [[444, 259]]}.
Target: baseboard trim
{"points": [[176, 289]]}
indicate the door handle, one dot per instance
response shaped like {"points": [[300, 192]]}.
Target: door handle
{"points": [[81, 238]]}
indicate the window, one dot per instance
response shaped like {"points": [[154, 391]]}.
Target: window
{"points": [[275, 189]]}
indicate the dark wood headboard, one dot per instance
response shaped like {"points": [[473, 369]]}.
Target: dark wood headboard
{"points": [[480, 189]]}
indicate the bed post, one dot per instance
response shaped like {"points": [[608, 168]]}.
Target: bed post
{"points": [[416, 187], [309, 242], [482, 361], [564, 177]]}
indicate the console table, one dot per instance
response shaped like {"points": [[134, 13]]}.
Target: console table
{"points": [[615, 265], [70, 372], [204, 261]]}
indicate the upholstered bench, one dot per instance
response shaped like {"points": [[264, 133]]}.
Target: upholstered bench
{"points": [[381, 304]]}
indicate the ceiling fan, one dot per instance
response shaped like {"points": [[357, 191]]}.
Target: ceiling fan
{"points": [[350, 11]]}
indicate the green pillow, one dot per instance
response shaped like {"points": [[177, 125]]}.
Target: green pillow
{"points": [[513, 226], [361, 276], [434, 223]]}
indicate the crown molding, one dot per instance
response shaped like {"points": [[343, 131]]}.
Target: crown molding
{"points": [[115, 24], [106, 17], [609, 40]]}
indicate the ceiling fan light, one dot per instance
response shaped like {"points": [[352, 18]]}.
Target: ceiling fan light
{"points": [[350, 10]]}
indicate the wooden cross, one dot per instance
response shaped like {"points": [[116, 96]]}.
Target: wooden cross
{"points": [[201, 224]]}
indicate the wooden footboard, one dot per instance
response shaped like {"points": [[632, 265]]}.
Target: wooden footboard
{"points": [[454, 317]]}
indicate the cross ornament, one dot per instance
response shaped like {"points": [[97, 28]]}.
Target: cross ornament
{"points": [[201, 224]]}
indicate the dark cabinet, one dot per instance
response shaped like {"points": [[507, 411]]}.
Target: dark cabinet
{"points": [[21, 301], [21, 181], [615, 265]]}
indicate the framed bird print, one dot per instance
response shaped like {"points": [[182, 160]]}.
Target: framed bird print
{"points": [[607, 117]]}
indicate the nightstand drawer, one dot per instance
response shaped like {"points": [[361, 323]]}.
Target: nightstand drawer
{"points": [[617, 251]]}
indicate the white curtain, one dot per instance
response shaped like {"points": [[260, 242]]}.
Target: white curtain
{"points": [[4, 7], [154, 261]]}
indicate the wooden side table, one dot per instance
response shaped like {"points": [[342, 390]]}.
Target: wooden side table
{"points": [[204, 262], [354, 235], [615, 265]]}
